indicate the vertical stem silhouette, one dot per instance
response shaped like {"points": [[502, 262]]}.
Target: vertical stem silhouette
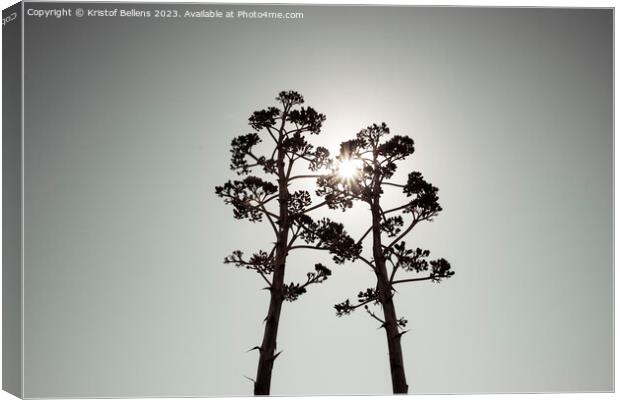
{"points": [[397, 368], [262, 386]]}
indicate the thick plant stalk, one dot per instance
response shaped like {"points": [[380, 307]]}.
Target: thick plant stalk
{"points": [[262, 385], [397, 368]]}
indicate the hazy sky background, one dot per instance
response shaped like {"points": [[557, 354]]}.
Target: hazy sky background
{"points": [[128, 126]]}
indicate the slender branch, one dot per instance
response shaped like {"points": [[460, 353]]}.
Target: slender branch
{"points": [[303, 176], [366, 161], [392, 159], [268, 199], [296, 130], [363, 303], [249, 153], [272, 136], [396, 209], [290, 167], [300, 156], [281, 130], [273, 249], [360, 154], [394, 268], [367, 262], [315, 207], [271, 222], [415, 279], [372, 314], [262, 208], [310, 281], [295, 236], [345, 193], [364, 235], [414, 222], [394, 184], [275, 150], [264, 277], [260, 205], [303, 246], [252, 165], [239, 261]]}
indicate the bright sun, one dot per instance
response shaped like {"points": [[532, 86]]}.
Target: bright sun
{"points": [[349, 168]]}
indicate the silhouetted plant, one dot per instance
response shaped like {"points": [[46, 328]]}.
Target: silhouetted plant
{"points": [[269, 198], [375, 159]]}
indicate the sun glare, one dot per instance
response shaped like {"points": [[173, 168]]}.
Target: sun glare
{"points": [[349, 168]]}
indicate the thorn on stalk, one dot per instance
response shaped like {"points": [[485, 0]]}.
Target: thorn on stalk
{"points": [[402, 333], [276, 355], [255, 348], [250, 379]]}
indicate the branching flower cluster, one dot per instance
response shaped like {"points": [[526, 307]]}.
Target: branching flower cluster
{"points": [[294, 290], [325, 234], [248, 197]]}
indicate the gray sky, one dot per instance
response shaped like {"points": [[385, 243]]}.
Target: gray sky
{"points": [[128, 125]]}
